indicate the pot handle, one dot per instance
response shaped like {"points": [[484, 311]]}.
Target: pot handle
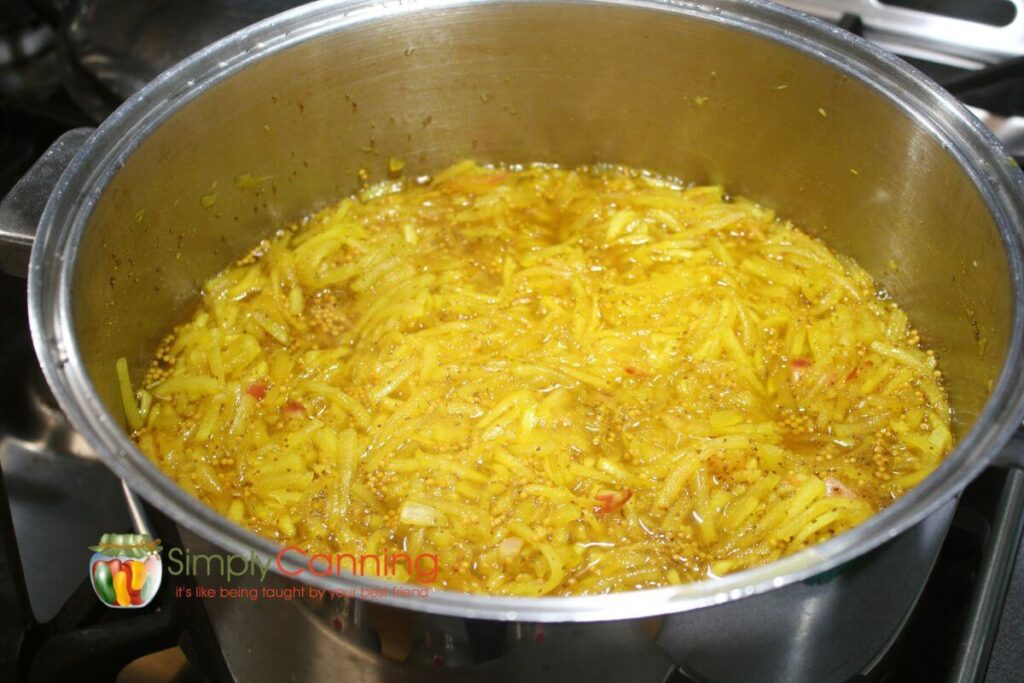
{"points": [[1012, 454], [23, 206]]}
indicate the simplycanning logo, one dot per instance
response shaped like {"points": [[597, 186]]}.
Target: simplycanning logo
{"points": [[126, 570]]}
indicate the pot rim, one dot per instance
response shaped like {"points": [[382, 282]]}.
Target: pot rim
{"points": [[65, 218]]}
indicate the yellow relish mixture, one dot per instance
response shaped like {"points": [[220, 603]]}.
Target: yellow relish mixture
{"points": [[555, 381]]}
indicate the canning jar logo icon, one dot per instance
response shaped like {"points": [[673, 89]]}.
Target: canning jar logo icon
{"points": [[126, 570]]}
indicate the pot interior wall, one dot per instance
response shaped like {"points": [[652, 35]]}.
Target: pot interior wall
{"points": [[572, 84]]}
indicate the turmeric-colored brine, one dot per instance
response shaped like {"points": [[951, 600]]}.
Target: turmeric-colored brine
{"points": [[555, 381]]}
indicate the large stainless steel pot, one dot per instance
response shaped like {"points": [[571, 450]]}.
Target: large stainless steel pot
{"points": [[846, 140]]}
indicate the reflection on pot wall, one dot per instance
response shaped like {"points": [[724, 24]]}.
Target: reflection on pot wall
{"points": [[823, 630]]}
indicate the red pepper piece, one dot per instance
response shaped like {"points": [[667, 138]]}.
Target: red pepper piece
{"points": [[612, 500], [258, 390], [856, 370]]}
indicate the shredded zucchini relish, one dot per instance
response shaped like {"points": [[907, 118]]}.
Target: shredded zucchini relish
{"points": [[557, 381]]}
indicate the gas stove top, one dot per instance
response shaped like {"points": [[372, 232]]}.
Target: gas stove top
{"points": [[55, 75]]}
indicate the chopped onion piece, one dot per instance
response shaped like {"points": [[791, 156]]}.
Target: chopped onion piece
{"points": [[510, 547], [418, 514], [835, 487]]}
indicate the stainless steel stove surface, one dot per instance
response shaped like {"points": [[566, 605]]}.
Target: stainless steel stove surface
{"points": [[75, 63]]}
